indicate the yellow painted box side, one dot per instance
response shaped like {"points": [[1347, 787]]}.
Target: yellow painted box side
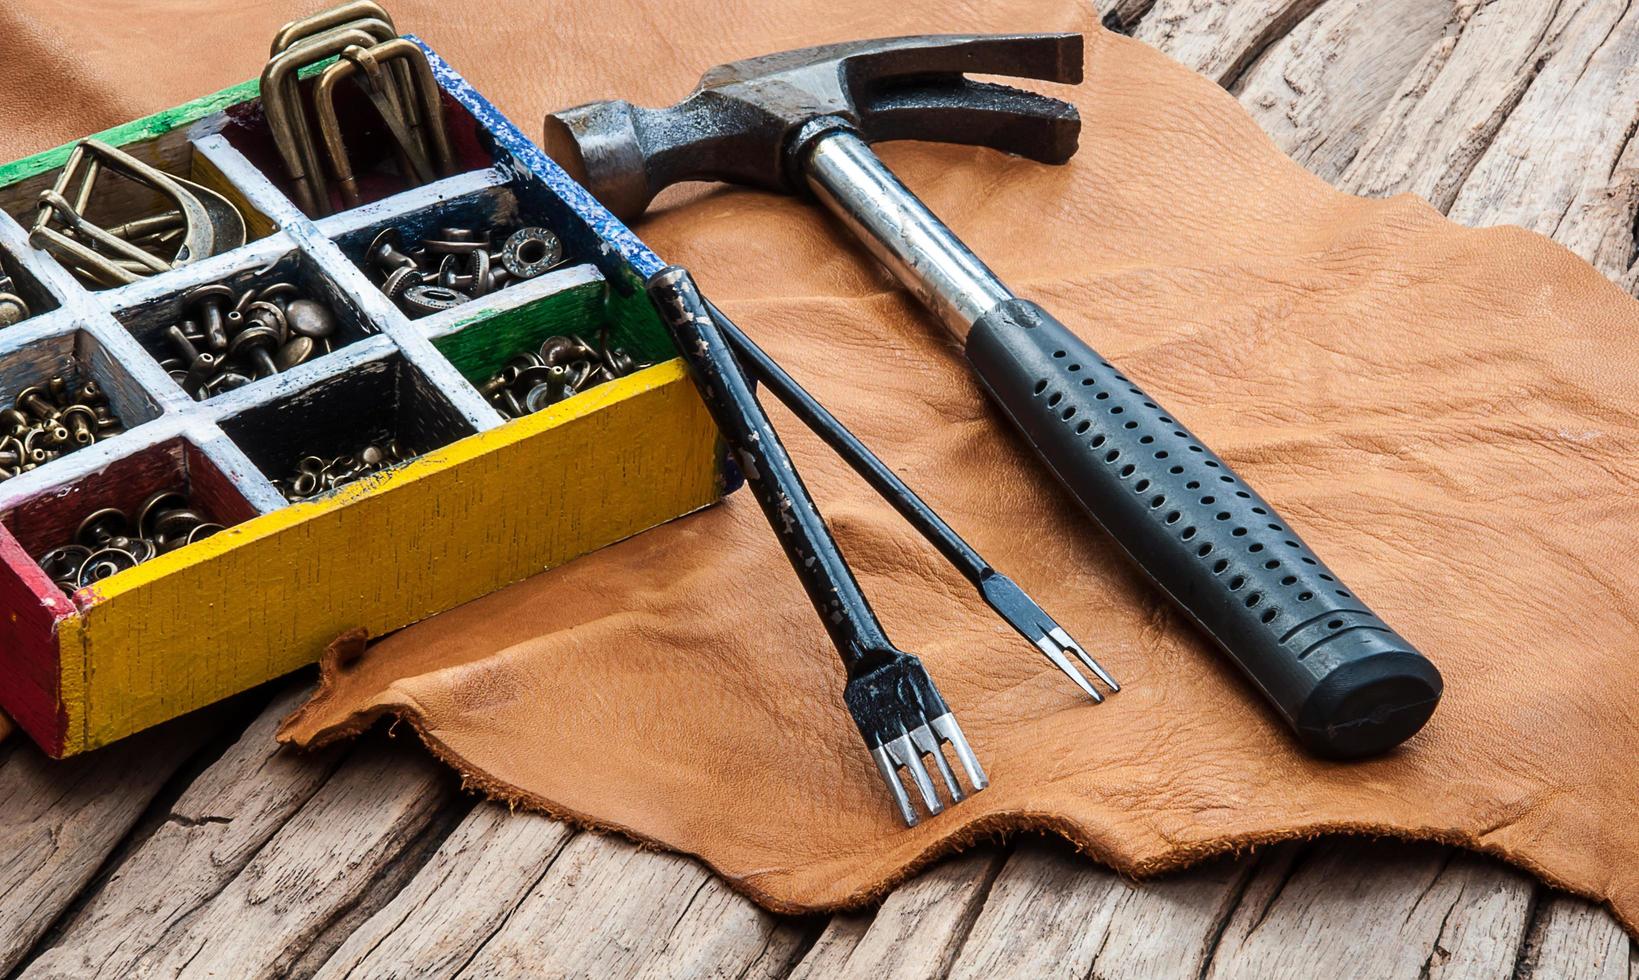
{"points": [[267, 596]]}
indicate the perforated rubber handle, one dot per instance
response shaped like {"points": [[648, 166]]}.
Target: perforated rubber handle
{"points": [[1347, 684]]}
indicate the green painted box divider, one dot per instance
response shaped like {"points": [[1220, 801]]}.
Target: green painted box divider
{"points": [[482, 347]]}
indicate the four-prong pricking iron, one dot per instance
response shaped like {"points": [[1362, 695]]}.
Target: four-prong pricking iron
{"points": [[894, 702]]}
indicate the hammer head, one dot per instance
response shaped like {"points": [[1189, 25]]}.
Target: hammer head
{"points": [[746, 121]]}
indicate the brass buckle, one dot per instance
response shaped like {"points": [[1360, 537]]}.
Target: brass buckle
{"points": [[417, 125], [371, 65], [201, 224]]}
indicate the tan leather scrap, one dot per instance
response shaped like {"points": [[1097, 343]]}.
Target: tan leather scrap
{"points": [[1447, 415]]}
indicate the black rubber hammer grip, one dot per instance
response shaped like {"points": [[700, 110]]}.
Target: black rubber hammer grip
{"points": [[1347, 684]]}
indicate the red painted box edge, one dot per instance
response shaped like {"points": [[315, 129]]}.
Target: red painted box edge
{"points": [[31, 606]]}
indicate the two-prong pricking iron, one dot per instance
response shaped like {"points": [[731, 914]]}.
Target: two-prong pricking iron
{"points": [[894, 702]]}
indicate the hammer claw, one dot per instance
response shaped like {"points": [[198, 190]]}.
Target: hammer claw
{"points": [[1003, 118]]}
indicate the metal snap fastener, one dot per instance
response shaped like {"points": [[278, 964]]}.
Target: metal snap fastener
{"points": [[64, 562], [308, 318], [155, 506], [12, 309], [105, 564], [426, 298], [528, 252]]}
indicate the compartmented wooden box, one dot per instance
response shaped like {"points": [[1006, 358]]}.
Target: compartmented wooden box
{"points": [[489, 501]]}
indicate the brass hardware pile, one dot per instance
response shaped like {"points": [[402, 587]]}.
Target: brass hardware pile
{"points": [[197, 224], [12, 308], [394, 75], [457, 265], [562, 368], [107, 542], [315, 475], [231, 337], [52, 420]]}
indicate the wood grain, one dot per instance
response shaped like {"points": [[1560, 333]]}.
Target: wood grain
{"points": [[460, 897], [606, 907], [1576, 940], [918, 930], [1563, 163], [208, 836], [1317, 90], [1052, 914], [1446, 112], [1220, 39], [321, 860], [59, 821], [1411, 909]]}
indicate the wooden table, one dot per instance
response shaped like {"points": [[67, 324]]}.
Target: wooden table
{"points": [[200, 849]]}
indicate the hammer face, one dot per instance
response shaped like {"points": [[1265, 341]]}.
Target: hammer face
{"points": [[739, 124]]}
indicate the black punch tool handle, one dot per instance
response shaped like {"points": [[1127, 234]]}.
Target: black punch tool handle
{"points": [[1347, 684], [770, 474]]}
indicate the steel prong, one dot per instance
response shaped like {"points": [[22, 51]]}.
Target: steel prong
{"points": [[946, 728], [903, 751], [890, 775], [1055, 653], [1068, 643], [928, 744]]}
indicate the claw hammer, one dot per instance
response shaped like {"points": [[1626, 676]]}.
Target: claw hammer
{"points": [[1345, 682]]}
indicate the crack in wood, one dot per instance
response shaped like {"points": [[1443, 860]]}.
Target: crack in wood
{"points": [[505, 918], [388, 883], [1209, 948]]}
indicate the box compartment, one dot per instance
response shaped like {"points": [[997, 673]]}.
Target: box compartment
{"points": [[574, 301], [49, 519], [77, 356], [370, 144], [116, 199], [373, 402], [500, 208], [148, 321]]}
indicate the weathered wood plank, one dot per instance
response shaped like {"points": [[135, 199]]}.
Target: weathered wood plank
{"points": [[1575, 940], [606, 907], [1318, 89], [59, 821], [212, 831], [835, 944], [780, 953], [309, 872], [1051, 913], [1349, 908], [918, 929], [458, 898], [1564, 163], [1449, 108], [1216, 38], [722, 933]]}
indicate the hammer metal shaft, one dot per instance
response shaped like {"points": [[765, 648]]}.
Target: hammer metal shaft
{"points": [[901, 232]]}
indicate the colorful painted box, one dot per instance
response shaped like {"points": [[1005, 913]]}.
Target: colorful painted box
{"points": [[490, 502]]}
